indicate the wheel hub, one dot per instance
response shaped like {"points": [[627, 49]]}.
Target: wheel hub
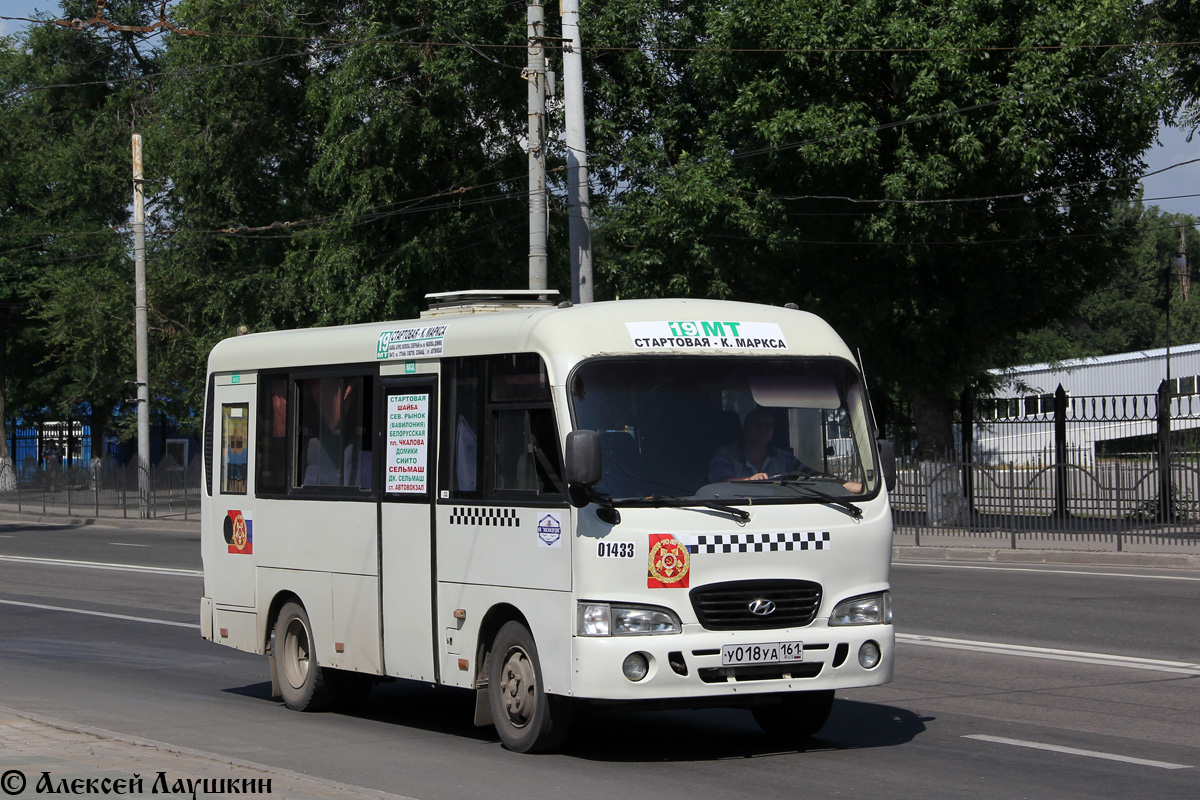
{"points": [[517, 687], [295, 654]]}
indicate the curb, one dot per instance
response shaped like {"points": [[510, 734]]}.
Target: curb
{"points": [[1007, 556], [191, 525]]}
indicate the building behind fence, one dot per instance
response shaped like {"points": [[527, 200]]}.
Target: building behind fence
{"points": [[57, 472], [1074, 460]]}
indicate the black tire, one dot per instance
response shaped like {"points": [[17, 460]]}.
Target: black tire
{"points": [[527, 719], [797, 715], [302, 681]]}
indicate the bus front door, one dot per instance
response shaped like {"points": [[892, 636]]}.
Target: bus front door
{"points": [[406, 546]]}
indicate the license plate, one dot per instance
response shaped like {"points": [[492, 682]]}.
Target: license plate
{"points": [[733, 655]]}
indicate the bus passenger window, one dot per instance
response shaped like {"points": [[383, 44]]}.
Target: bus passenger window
{"points": [[465, 414], [235, 432], [272, 435], [333, 446], [500, 415]]}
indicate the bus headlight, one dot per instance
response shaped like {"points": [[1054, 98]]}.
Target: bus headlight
{"points": [[605, 619], [870, 609]]}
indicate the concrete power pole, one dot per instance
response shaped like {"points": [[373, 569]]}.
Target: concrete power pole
{"points": [[535, 76], [141, 332], [578, 200]]}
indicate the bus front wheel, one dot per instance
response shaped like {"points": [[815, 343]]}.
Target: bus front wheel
{"points": [[527, 719], [302, 682]]}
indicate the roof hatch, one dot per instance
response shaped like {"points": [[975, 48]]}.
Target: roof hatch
{"points": [[474, 301]]}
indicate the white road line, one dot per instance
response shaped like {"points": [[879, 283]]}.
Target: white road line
{"points": [[127, 544], [1078, 657], [1006, 568], [59, 562], [1074, 751], [100, 614]]}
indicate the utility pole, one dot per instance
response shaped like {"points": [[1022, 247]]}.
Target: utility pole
{"points": [[1167, 390], [141, 332], [578, 200], [535, 77]]}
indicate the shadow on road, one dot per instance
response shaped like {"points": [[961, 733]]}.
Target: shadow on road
{"points": [[712, 734], [625, 735]]}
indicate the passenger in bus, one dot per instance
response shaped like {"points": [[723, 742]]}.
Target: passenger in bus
{"points": [[754, 458]]}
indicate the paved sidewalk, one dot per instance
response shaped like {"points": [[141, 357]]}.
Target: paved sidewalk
{"points": [[1094, 550], [71, 760]]}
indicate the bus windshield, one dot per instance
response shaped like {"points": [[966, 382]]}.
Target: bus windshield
{"points": [[728, 429]]}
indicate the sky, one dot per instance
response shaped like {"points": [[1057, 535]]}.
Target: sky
{"points": [[1163, 190]]}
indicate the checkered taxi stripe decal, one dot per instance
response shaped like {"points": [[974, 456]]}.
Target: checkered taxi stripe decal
{"points": [[489, 517], [756, 542]]}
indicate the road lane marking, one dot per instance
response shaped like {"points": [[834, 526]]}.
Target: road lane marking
{"points": [[100, 614], [59, 562], [127, 544], [1052, 654], [1006, 568], [1074, 751]]}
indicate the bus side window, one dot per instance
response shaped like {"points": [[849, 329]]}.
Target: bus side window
{"points": [[525, 451], [465, 421], [333, 444], [501, 420], [272, 435]]}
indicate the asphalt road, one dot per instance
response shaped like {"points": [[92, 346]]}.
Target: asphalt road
{"points": [[1005, 687]]}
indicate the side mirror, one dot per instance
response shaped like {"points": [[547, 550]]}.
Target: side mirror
{"points": [[887, 462], [583, 458]]}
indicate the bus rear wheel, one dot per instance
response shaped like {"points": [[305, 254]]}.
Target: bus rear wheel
{"points": [[796, 716], [527, 719], [302, 681]]}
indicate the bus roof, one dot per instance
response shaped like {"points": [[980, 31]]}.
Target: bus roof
{"points": [[563, 335]]}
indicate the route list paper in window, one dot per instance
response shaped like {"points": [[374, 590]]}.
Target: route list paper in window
{"points": [[407, 443]]}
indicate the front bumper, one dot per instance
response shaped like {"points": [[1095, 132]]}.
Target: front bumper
{"points": [[688, 665]]}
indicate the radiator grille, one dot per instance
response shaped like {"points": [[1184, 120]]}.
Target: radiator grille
{"points": [[727, 606]]}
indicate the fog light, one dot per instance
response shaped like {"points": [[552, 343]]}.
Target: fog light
{"points": [[868, 655], [635, 666]]}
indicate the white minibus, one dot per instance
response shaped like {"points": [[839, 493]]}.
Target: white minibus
{"points": [[652, 502]]}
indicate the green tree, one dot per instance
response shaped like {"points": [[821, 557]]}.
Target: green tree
{"points": [[1128, 312], [70, 102], [332, 163], [828, 153]]}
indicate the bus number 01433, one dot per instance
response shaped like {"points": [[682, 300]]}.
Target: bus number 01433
{"points": [[615, 549]]}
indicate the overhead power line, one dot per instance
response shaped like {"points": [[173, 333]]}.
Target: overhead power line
{"points": [[677, 49]]}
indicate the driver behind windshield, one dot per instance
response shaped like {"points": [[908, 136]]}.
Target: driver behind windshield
{"points": [[754, 458]]}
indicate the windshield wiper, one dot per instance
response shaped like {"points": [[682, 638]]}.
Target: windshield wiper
{"points": [[659, 501], [792, 481]]}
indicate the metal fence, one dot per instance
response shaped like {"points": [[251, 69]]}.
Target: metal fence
{"points": [[1118, 468], [106, 490]]}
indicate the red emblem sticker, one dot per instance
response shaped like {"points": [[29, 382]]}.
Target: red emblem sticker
{"points": [[239, 533], [669, 563]]}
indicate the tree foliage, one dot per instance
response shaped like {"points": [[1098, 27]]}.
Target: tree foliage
{"points": [[828, 153], [938, 178], [1128, 312], [69, 102]]}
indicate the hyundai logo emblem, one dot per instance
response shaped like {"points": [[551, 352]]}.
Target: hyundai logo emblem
{"points": [[762, 608]]}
